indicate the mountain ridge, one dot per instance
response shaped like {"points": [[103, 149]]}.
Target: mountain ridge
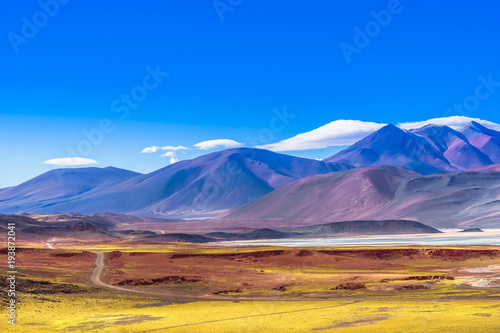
{"points": [[199, 187], [426, 150], [224, 183], [440, 200]]}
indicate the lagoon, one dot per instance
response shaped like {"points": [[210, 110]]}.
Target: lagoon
{"points": [[447, 238]]}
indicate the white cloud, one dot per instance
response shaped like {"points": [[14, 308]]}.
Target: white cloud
{"points": [[154, 149], [347, 132], [336, 133], [206, 145], [71, 161], [174, 148], [149, 150], [168, 153], [455, 122], [173, 157]]}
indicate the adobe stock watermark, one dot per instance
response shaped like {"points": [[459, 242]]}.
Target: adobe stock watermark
{"points": [[12, 273], [471, 103], [363, 36], [223, 6], [219, 181], [121, 106], [32, 25]]}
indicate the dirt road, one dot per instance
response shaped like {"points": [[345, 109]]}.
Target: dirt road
{"points": [[96, 277], [100, 266]]}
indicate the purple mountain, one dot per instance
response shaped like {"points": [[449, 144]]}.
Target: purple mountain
{"points": [[200, 187], [426, 150], [454, 146], [484, 139], [442, 200], [341, 196], [396, 147], [59, 185], [223, 181]]}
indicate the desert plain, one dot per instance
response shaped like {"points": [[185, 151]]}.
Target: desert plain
{"points": [[121, 286]]}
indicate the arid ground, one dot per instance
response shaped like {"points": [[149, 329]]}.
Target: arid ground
{"points": [[181, 287]]}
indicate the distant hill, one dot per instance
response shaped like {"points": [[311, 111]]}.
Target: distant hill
{"points": [[340, 196], [20, 221], [200, 187], [472, 230], [55, 187], [70, 218], [28, 228], [59, 229], [384, 227], [179, 237], [442, 200]]}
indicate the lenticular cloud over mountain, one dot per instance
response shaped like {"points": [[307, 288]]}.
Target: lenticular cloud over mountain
{"points": [[347, 132], [71, 161], [336, 133], [211, 144], [455, 122]]}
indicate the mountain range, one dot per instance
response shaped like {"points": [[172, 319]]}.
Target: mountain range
{"points": [[426, 150], [441, 200], [193, 188], [75, 226], [435, 175]]}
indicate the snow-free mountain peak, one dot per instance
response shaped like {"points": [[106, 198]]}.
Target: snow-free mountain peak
{"points": [[397, 147]]}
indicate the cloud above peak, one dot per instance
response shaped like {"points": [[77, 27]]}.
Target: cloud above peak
{"points": [[343, 132], [211, 144], [455, 122], [347, 132], [171, 151], [336, 133], [71, 161]]}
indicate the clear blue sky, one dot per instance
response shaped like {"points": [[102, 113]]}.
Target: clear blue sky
{"points": [[226, 76]]}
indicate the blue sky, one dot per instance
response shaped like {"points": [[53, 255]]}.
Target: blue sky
{"points": [[225, 77]]}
